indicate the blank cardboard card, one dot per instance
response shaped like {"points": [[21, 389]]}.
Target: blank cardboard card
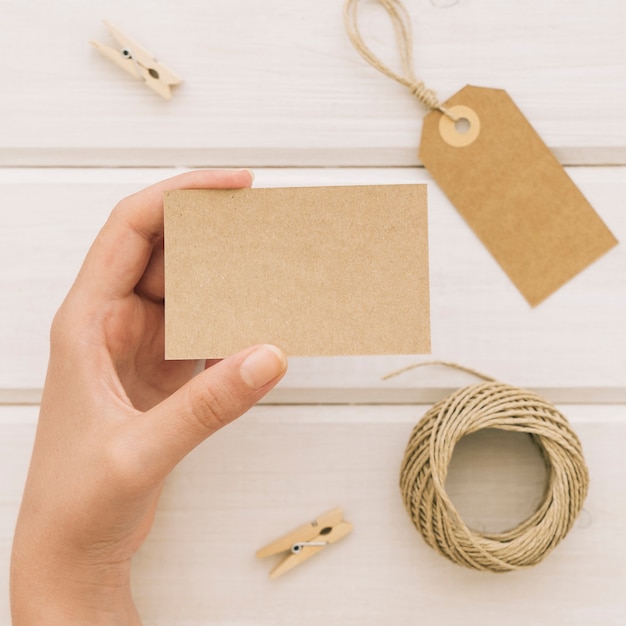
{"points": [[318, 271]]}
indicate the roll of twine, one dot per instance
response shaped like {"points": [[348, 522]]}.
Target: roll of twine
{"points": [[491, 404]]}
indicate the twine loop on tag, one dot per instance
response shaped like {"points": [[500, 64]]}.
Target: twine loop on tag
{"points": [[424, 95], [404, 36], [491, 404]]}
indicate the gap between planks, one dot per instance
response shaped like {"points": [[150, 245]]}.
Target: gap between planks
{"points": [[375, 396], [264, 157]]}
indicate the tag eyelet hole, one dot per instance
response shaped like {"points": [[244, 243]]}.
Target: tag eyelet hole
{"points": [[462, 125], [461, 128]]}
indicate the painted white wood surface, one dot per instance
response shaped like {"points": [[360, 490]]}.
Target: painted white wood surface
{"points": [[280, 466], [275, 83], [572, 347]]}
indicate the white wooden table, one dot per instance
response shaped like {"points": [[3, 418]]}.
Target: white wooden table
{"points": [[277, 86]]}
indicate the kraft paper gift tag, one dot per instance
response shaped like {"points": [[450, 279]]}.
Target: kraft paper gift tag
{"points": [[317, 271], [499, 175], [512, 192]]}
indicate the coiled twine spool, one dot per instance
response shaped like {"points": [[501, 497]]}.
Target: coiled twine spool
{"points": [[425, 465]]}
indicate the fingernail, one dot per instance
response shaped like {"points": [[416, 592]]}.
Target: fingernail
{"points": [[262, 366], [251, 174]]}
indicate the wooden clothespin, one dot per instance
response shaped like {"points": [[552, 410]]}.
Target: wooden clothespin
{"points": [[139, 63], [306, 540]]}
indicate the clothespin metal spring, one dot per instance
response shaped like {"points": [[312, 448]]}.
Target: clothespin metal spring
{"points": [[297, 547]]}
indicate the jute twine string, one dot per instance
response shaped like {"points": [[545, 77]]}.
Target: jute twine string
{"points": [[404, 36], [491, 404]]}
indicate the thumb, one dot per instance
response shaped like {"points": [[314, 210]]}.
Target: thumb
{"points": [[210, 400]]}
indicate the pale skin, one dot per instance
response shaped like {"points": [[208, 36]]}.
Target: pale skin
{"points": [[115, 419]]}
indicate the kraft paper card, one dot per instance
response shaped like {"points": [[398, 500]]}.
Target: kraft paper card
{"points": [[513, 192], [318, 271]]}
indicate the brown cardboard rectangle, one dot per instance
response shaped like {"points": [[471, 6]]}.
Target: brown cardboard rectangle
{"points": [[318, 271]]}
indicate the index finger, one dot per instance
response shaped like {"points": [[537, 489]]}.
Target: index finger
{"points": [[120, 253]]}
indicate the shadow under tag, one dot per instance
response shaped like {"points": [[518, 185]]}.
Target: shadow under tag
{"points": [[513, 193]]}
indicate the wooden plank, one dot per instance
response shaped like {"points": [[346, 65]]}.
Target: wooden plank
{"points": [[572, 346], [264, 85], [280, 466]]}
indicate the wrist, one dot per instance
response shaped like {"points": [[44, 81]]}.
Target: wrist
{"points": [[48, 590]]}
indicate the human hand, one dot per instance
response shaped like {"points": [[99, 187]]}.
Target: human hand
{"points": [[115, 419]]}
